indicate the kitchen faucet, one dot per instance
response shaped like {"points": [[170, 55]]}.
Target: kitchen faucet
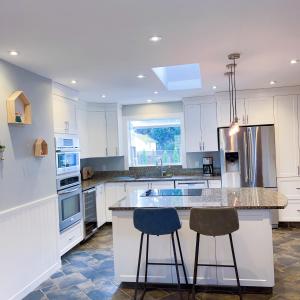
{"points": [[159, 161]]}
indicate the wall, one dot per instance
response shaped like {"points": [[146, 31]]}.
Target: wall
{"points": [[24, 178], [28, 200], [194, 159]]}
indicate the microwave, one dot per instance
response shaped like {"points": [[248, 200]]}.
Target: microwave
{"points": [[67, 154]]}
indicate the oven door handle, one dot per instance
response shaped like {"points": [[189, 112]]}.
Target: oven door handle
{"points": [[68, 191]]}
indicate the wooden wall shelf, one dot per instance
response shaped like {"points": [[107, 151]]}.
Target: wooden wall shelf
{"points": [[40, 148], [11, 108]]}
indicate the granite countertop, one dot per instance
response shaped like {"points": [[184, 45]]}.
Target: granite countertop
{"points": [[241, 198], [90, 183]]}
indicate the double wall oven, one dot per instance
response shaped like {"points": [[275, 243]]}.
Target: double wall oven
{"points": [[68, 180]]}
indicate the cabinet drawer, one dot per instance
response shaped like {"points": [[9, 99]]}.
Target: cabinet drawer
{"points": [[290, 188], [193, 184], [71, 238], [214, 184], [291, 213]]}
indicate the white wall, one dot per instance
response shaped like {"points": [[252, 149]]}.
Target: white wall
{"points": [[28, 200]]}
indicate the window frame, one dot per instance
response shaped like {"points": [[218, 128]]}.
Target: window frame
{"points": [[126, 133]]}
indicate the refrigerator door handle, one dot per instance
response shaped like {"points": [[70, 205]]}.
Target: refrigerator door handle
{"points": [[246, 158], [250, 156]]}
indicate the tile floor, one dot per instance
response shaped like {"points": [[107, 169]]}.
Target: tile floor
{"points": [[87, 273]]}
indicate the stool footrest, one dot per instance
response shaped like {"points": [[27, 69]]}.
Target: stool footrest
{"points": [[212, 265], [164, 264]]}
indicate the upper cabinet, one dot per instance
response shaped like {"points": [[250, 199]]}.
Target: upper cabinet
{"points": [[201, 127], [65, 101], [287, 135], [250, 111]]}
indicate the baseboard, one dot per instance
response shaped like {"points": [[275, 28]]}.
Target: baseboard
{"points": [[36, 282], [202, 288]]}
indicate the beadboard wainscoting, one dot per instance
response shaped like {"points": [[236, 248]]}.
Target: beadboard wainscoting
{"points": [[29, 251]]}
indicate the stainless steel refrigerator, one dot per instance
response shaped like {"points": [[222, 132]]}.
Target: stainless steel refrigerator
{"points": [[248, 158]]}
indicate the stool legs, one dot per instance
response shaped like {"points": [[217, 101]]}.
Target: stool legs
{"points": [[138, 267], [181, 257], [175, 258], [235, 267], [146, 269], [195, 267]]}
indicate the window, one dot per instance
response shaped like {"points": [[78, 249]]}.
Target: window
{"points": [[151, 140]]}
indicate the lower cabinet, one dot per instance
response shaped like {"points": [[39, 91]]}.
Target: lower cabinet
{"points": [[70, 238], [133, 186], [214, 184], [290, 187], [114, 192], [101, 205], [162, 184]]}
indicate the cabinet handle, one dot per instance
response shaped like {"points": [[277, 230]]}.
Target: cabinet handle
{"points": [[106, 151], [203, 147], [200, 146], [117, 151], [247, 119]]}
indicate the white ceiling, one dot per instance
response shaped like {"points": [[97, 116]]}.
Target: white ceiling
{"points": [[104, 44]]}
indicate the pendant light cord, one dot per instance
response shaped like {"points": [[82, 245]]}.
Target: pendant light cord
{"points": [[235, 111], [229, 89]]}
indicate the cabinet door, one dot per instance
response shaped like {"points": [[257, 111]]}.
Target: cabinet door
{"points": [[114, 192], [286, 136], [162, 185], [112, 133], [96, 133], [192, 128], [64, 115], [101, 205], [291, 189], [134, 186], [259, 111], [223, 115], [209, 127], [83, 133]]}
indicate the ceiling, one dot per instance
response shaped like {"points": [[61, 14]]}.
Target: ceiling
{"points": [[105, 44]]}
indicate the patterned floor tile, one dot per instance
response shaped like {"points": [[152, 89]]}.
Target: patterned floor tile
{"points": [[87, 273]]}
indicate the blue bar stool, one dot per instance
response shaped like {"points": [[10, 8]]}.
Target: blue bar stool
{"points": [[157, 221], [214, 222]]}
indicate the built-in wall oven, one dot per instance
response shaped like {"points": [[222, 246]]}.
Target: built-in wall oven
{"points": [[69, 200], [67, 154]]}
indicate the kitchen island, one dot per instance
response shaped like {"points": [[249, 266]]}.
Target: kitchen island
{"points": [[253, 241]]}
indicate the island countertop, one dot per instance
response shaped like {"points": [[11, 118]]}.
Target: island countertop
{"points": [[240, 198]]}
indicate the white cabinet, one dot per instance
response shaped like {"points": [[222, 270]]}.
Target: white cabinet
{"points": [[290, 187], [70, 238], [287, 135], [250, 111], [161, 185], [133, 186], [192, 115], [114, 192], [96, 131], [83, 133], [201, 127], [214, 184], [224, 112], [191, 184], [113, 147], [64, 115], [101, 205], [259, 111]]}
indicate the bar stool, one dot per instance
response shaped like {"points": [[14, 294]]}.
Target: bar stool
{"points": [[214, 222], [157, 221]]}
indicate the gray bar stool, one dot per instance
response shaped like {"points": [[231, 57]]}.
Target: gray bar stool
{"points": [[214, 222]]}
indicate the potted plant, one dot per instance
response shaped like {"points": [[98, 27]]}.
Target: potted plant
{"points": [[2, 149]]}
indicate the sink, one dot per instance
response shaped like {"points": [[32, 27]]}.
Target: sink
{"points": [[120, 178]]}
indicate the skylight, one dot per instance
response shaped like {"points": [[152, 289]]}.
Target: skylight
{"points": [[179, 77]]}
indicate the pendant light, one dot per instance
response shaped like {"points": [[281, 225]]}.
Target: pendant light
{"points": [[234, 120]]}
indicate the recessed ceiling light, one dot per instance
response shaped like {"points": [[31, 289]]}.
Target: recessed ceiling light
{"points": [[272, 82], [155, 92], [155, 38], [149, 100], [294, 61], [214, 87], [73, 81], [13, 53], [140, 76], [103, 96]]}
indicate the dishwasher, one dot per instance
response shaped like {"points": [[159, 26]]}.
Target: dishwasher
{"points": [[193, 184], [89, 212]]}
